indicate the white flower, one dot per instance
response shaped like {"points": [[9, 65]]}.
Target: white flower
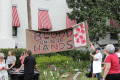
{"points": [[57, 74], [76, 69], [65, 76], [67, 61], [51, 73], [44, 72]]}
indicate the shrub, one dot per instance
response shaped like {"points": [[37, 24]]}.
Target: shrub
{"points": [[57, 60]]}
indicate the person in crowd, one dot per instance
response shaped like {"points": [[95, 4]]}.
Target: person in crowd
{"points": [[117, 51], [22, 58], [107, 54], [28, 64], [3, 68], [11, 59], [97, 57], [111, 71]]}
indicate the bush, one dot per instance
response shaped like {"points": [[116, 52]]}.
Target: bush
{"points": [[57, 60], [77, 54], [17, 53]]}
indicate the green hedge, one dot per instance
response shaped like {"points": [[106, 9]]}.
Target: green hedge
{"points": [[57, 60], [17, 53], [75, 54]]}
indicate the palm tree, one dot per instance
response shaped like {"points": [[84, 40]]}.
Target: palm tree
{"points": [[29, 14]]}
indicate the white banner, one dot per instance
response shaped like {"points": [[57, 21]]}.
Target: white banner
{"points": [[80, 35]]}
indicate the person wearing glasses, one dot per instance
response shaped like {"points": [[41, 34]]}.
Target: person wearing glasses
{"points": [[111, 71]]}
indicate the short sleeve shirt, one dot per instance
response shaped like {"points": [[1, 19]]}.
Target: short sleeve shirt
{"points": [[29, 63], [98, 56], [10, 60], [113, 59]]}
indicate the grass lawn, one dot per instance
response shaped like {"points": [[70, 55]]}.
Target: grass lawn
{"points": [[83, 75]]}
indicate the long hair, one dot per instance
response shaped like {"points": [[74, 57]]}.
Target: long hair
{"points": [[11, 51], [24, 52]]}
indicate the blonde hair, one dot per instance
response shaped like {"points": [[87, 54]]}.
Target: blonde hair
{"points": [[2, 55]]}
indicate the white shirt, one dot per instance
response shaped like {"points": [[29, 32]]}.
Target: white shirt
{"points": [[10, 60], [118, 54], [98, 56], [3, 73]]}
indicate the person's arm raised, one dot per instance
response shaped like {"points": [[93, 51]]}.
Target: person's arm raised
{"points": [[92, 46]]}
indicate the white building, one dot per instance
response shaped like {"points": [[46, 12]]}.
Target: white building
{"points": [[57, 10]]}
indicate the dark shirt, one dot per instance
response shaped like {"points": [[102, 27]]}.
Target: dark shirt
{"points": [[29, 63]]}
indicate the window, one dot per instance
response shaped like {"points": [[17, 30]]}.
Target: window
{"points": [[14, 31], [44, 29]]}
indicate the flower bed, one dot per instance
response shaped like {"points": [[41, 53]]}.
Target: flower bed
{"points": [[58, 73]]}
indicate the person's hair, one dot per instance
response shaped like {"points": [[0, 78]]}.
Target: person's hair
{"points": [[116, 49], [11, 51], [29, 52], [2, 55], [110, 48], [24, 52]]}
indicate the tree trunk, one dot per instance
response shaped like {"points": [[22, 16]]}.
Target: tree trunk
{"points": [[29, 15]]}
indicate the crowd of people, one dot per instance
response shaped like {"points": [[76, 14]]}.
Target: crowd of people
{"points": [[27, 63], [111, 63]]}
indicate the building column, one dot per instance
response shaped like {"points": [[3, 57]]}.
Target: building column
{"points": [[6, 40]]}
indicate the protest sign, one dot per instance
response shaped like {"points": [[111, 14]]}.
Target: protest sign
{"points": [[40, 42]]}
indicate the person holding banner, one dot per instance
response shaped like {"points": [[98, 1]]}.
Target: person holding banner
{"points": [[97, 62], [111, 71]]}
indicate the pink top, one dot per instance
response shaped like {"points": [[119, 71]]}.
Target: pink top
{"points": [[22, 59]]}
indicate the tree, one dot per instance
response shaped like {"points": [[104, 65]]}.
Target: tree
{"points": [[96, 12], [29, 14]]}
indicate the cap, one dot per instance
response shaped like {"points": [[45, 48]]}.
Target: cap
{"points": [[98, 48]]}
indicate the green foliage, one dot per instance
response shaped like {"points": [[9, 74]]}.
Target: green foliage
{"points": [[77, 65], [57, 60], [96, 12], [77, 54], [17, 53]]}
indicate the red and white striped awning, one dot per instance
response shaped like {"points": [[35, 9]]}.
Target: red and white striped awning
{"points": [[44, 20], [69, 22], [15, 21], [114, 23]]}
